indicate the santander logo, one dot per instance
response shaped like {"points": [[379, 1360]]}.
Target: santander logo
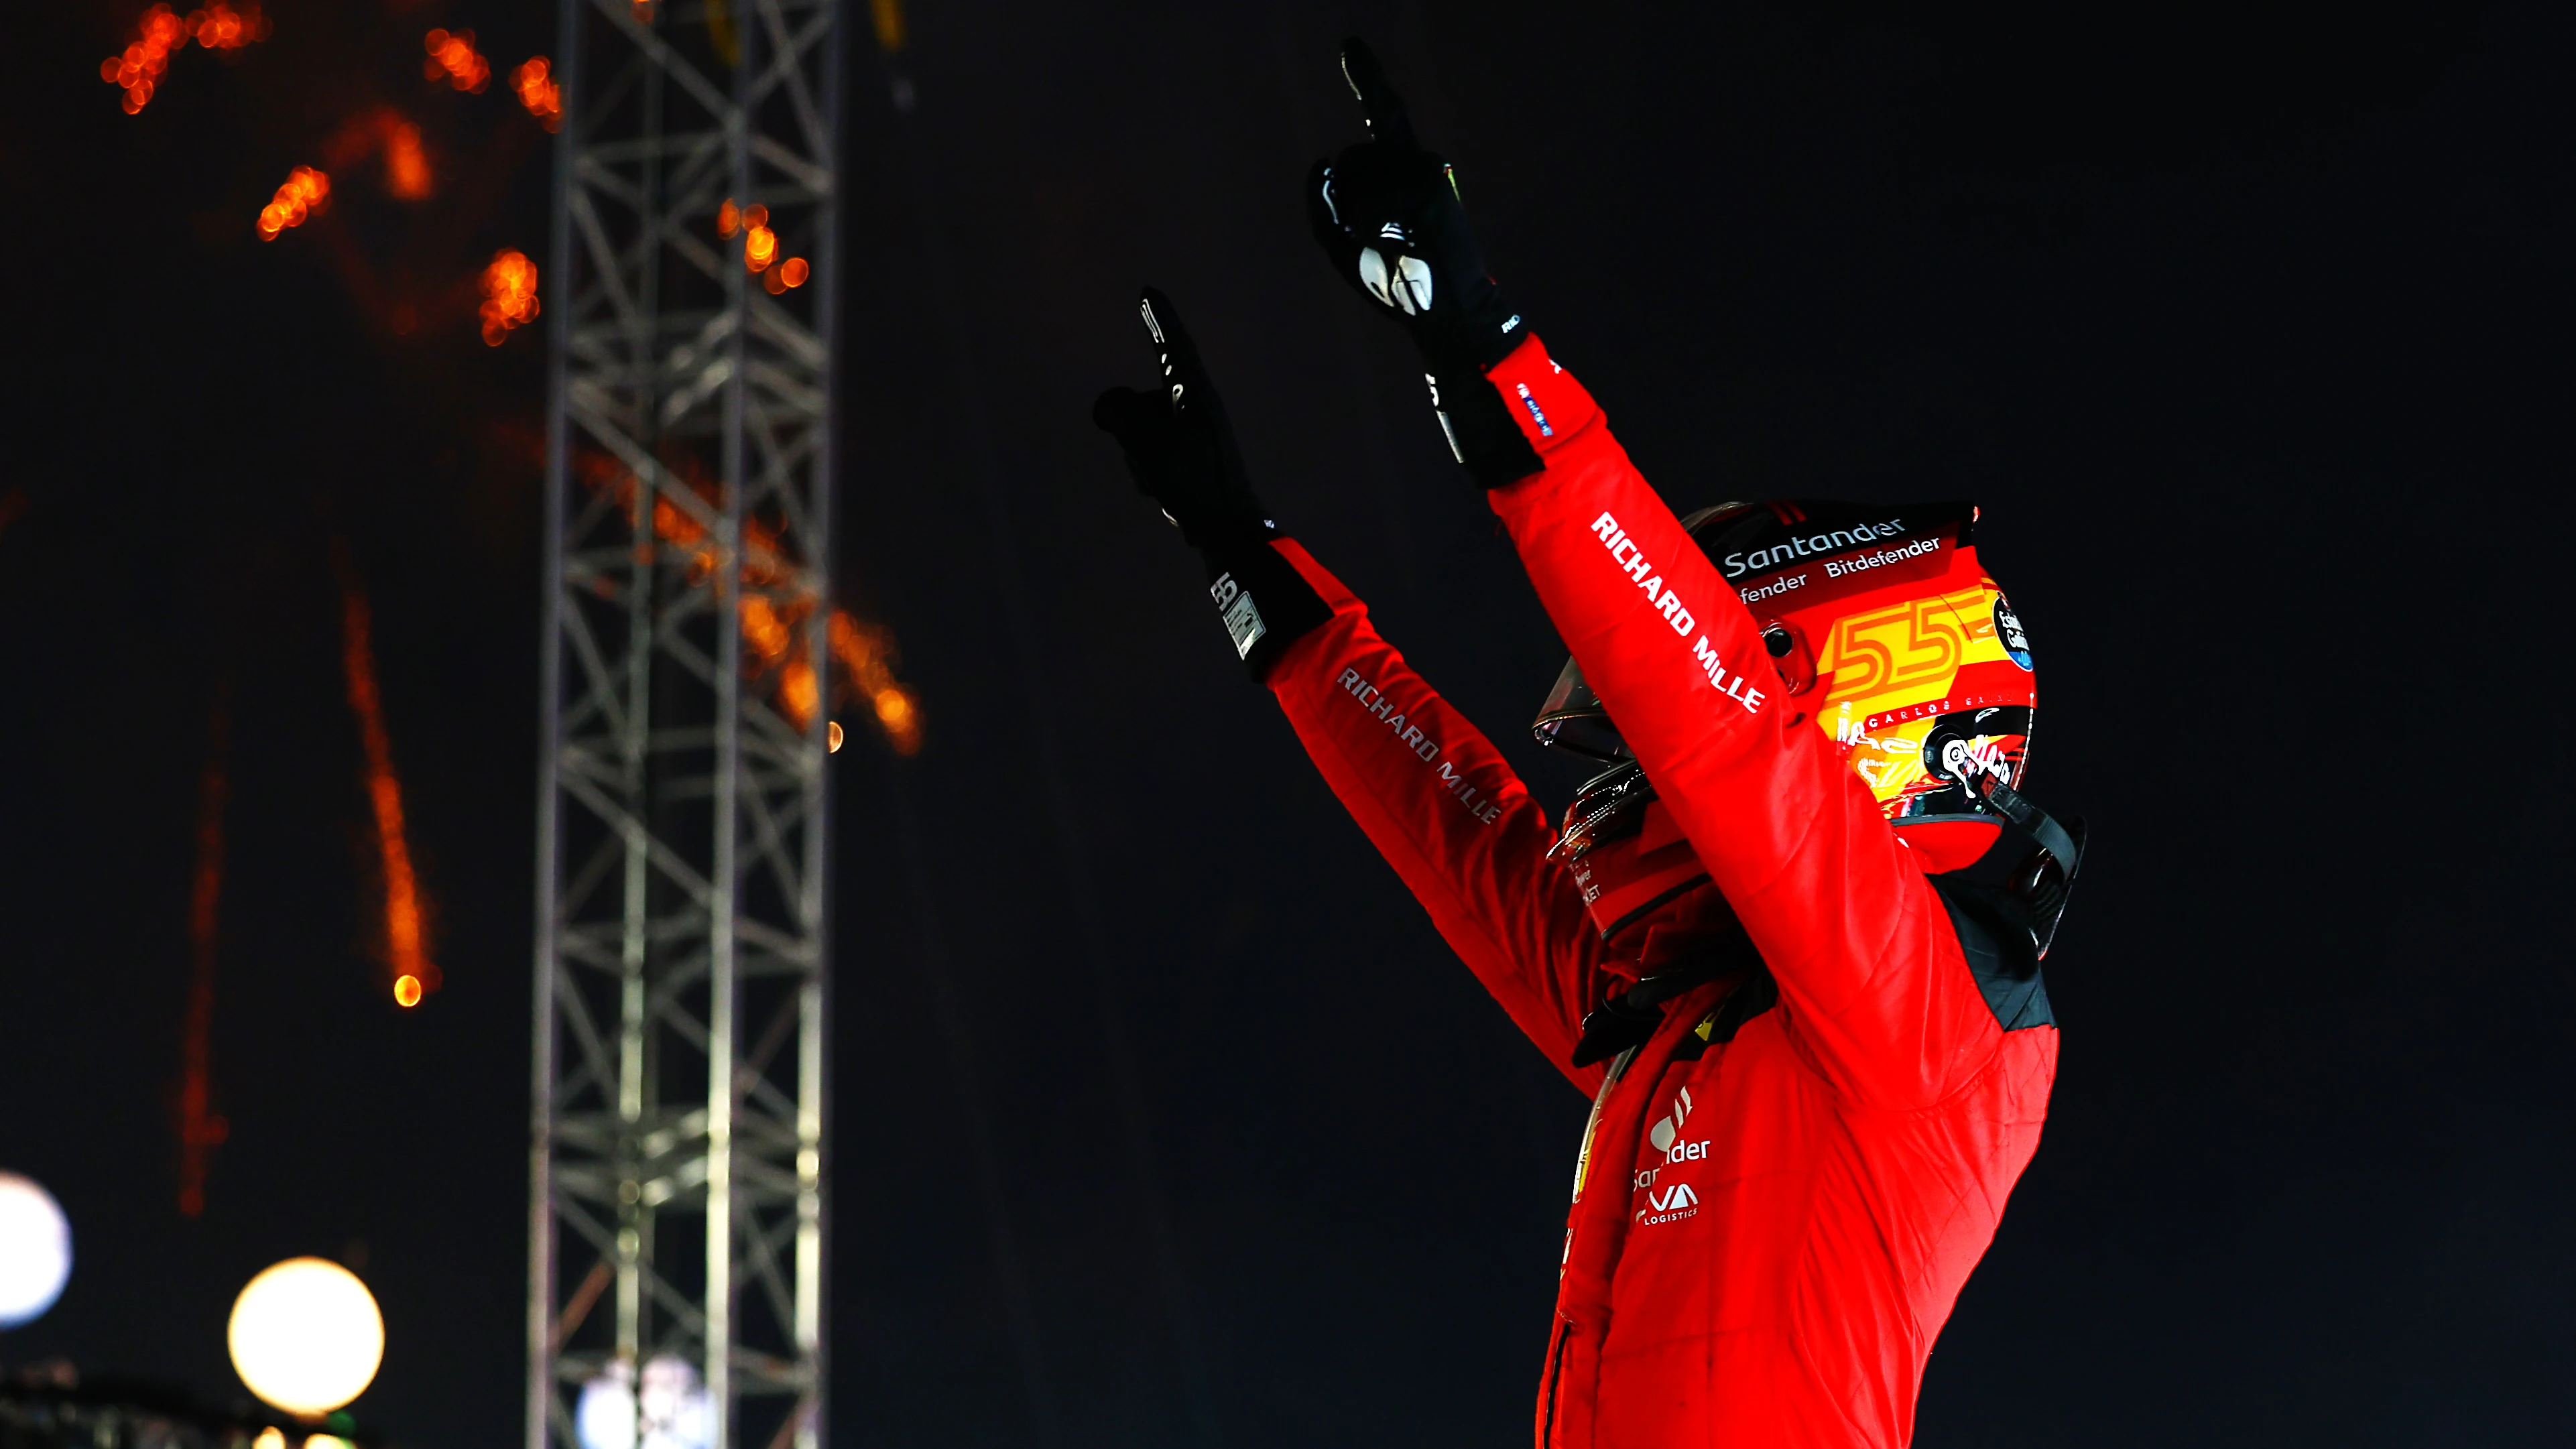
{"points": [[1678, 1201]]}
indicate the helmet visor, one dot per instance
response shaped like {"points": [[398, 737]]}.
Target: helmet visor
{"points": [[1573, 720]]}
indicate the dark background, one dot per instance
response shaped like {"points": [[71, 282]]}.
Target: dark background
{"points": [[2246, 324]]}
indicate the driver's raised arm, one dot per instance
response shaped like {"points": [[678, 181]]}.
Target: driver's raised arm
{"points": [[1858, 941]]}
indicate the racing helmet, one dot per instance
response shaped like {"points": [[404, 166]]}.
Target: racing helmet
{"points": [[1888, 636]]}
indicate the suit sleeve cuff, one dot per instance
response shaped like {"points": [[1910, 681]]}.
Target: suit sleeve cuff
{"points": [[1264, 600], [1542, 397]]}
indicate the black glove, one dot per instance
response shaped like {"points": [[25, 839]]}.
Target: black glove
{"points": [[1182, 453], [1387, 213]]}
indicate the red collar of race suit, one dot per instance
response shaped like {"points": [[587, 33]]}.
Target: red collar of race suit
{"points": [[1647, 887], [1686, 935], [1636, 868]]}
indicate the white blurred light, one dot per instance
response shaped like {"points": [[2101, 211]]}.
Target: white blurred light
{"points": [[306, 1336], [35, 1250], [271, 1437], [604, 1418], [672, 1407]]}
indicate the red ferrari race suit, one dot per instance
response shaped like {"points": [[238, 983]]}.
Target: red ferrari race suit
{"points": [[1774, 1211]]}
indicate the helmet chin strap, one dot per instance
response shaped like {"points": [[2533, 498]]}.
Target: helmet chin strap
{"points": [[2042, 880], [2032, 866], [2034, 822], [1626, 1019]]}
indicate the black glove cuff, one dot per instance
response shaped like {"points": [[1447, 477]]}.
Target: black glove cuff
{"points": [[1481, 429], [1265, 603], [1490, 330]]}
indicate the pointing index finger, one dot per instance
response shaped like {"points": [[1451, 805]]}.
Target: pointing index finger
{"points": [[1379, 104], [1183, 373]]}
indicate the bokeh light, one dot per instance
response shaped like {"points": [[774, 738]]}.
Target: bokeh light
{"points": [[604, 1417], [534, 81], [509, 294], [305, 1336], [306, 191], [139, 67], [671, 1406], [453, 59], [406, 162], [220, 27], [35, 1250]]}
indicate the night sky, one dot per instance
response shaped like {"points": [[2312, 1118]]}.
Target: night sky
{"points": [[1164, 1116]]}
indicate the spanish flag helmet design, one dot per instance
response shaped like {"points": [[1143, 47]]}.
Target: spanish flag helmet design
{"points": [[1888, 636]]}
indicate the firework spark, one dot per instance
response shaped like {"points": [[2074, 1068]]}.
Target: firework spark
{"points": [[306, 191], [383, 132], [200, 1130], [760, 247], [406, 163], [453, 59], [509, 294], [220, 27], [138, 68], [161, 33], [538, 92], [867, 657], [773, 617], [406, 943]]}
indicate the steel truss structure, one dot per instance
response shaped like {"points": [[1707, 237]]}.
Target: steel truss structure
{"points": [[677, 1211]]}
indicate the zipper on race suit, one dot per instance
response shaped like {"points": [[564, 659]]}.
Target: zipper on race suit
{"points": [[1555, 1377], [1592, 1124]]}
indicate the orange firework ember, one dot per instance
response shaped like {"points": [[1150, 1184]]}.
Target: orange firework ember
{"points": [[760, 247], [866, 653], [220, 27], [305, 192], [509, 294], [789, 273], [453, 59], [406, 162], [137, 69], [406, 945], [383, 130], [774, 627], [538, 91], [200, 1130]]}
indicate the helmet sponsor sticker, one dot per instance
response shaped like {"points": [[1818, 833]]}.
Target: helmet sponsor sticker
{"points": [[1885, 630], [2008, 629], [1832, 540]]}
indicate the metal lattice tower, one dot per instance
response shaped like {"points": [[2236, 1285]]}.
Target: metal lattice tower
{"points": [[678, 1136]]}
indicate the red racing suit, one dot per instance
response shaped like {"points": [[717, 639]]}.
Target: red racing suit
{"points": [[1772, 1214]]}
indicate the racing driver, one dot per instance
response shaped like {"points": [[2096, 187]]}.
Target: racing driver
{"points": [[1787, 939]]}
